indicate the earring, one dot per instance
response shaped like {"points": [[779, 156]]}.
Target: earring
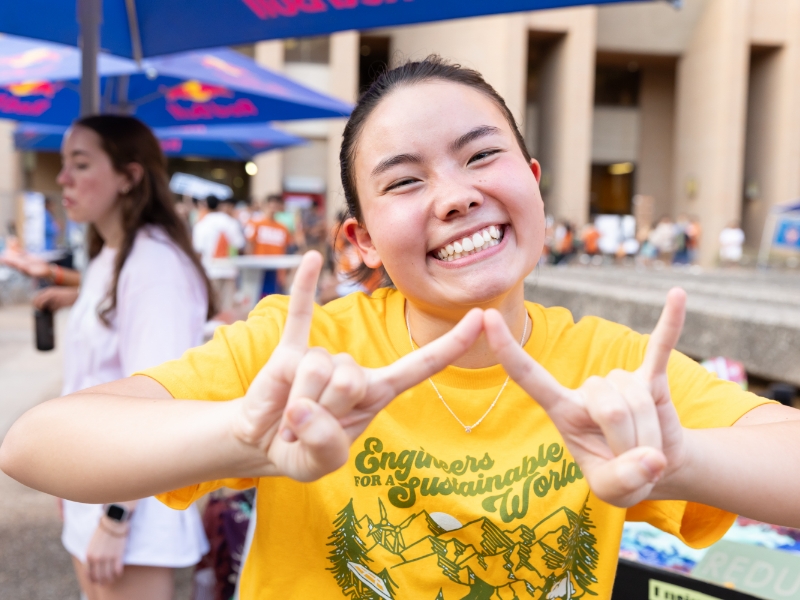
{"points": [[125, 190]]}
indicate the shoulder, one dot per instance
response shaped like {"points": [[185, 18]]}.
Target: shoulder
{"points": [[592, 346], [155, 253]]}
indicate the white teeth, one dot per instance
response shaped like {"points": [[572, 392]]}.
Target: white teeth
{"points": [[467, 246]]}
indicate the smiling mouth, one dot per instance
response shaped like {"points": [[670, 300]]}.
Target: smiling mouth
{"points": [[479, 241]]}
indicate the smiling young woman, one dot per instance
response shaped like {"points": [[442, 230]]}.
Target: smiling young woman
{"points": [[500, 458]]}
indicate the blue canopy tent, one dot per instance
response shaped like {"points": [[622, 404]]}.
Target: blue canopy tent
{"points": [[142, 28], [39, 81], [232, 142]]}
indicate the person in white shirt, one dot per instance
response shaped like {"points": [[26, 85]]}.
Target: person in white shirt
{"points": [[217, 236], [143, 299], [731, 240]]}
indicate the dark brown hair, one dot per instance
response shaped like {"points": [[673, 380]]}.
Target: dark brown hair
{"points": [[433, 68], [149, 201]]}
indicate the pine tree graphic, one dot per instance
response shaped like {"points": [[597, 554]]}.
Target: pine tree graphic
{"points": [[440, 595], [576, 556], [347, 548]]}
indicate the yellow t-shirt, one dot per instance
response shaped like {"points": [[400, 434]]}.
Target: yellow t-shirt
{"points": [[421, 507]]}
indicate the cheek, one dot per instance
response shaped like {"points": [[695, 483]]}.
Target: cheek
{"points": [[95, 192]]}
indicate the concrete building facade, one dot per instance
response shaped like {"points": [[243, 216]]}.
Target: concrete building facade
{"points": [[698, 108]]}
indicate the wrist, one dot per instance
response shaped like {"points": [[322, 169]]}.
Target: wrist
{"points": [[114, 528], [248, 441], [677, 478]]}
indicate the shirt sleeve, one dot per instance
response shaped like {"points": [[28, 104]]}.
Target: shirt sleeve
{"points": [[702, 401], [219, 370]]}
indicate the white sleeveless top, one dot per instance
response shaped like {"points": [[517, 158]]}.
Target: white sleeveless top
{"points": [[160, 313]]}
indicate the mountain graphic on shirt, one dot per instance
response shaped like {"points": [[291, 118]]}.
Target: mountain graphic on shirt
{"points": [[554, 559]]}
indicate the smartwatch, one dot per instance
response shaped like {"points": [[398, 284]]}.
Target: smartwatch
{"points": [[118, 513]]}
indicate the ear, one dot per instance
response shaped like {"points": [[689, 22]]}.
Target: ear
{"points": [[361, 240], [536, 169], [135, 172]]}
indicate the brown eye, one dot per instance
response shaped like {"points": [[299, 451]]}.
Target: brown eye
{"points": [[482, 154]]}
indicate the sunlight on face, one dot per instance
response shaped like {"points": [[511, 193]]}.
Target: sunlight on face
{"points": [[436, 164], [90, 183]]}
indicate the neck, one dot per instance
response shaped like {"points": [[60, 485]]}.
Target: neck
{"points": [[109, 227], [427, 326]]}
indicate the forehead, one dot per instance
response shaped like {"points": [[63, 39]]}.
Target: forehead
{"points": [[80, 139], [425, 113]]}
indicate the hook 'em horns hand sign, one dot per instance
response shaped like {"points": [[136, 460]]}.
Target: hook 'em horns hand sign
{"points": [[622, 429], [305, 407]]}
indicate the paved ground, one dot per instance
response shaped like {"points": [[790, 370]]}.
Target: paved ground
{"points": [[33, 564]]}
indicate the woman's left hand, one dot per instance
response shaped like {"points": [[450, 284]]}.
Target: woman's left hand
{"points": [[622, 429], [105, 551]]}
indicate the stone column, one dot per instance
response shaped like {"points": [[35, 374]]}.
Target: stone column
{"points": [[344, 59], [566, 98], [656, 140], [710, 120], [269, 179], [9, 177], [772, 154]]}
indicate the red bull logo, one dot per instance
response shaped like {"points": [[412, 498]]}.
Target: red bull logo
{"points": [[27, 99], [202, 106], [25, 89], [271, 9], [197, 91]]}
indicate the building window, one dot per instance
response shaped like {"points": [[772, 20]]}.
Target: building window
{"points": [[307, 50], [617, 85]]}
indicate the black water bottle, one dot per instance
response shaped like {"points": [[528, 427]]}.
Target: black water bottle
{"points": [[45, 333]]}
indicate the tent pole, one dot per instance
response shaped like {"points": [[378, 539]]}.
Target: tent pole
{"points": [[89, 18]]}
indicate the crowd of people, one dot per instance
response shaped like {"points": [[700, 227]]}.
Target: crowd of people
{"points": [[665, 242]]}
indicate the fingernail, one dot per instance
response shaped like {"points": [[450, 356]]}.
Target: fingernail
{"points": [[298, 415], [287, 435], [653, 465]]}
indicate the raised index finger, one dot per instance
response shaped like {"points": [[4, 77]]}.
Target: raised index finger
{"points": [[301, 302], [417, 366], [665, 336]]}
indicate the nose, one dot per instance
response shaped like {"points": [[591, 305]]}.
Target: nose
{"points": [[62, 178], [456, 196]]}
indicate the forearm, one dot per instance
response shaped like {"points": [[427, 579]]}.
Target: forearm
{"points": [[749, 470], [99, 448]]}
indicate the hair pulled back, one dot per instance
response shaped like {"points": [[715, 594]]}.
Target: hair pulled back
{"points": [[433, 68], [149, 201]]}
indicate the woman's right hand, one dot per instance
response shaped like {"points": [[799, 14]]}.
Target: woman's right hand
{"points": [[306, 407], [55, 297], [105, 552]]}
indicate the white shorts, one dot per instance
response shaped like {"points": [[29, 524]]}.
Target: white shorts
{"points": [[159, 536]]}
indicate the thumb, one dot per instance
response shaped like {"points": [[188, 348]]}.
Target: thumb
{"points": [[628, 478]]}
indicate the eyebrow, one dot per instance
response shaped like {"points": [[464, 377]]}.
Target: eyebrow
{"points": [[79, 152], [393, 161], [473, 135]]}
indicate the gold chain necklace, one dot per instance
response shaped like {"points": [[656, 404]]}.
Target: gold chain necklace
{"points": [[468, 428]]}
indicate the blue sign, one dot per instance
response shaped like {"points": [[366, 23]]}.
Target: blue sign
{"points": [[787, 232]]}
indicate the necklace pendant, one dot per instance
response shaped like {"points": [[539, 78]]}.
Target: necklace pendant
{"points": [[468, 429]]}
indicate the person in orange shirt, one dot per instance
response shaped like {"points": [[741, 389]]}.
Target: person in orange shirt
{"points": [[265, 236]]}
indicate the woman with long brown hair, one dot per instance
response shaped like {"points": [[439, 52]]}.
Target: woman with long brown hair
{"points": [[143, 299]]}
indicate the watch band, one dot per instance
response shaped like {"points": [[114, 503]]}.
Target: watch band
{"points": [[117, 513]]}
